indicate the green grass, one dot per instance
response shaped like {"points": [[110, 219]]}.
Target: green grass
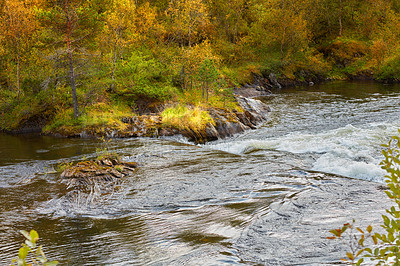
{"points": [[95, 116]]}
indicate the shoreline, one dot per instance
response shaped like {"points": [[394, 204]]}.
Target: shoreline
{"points": [[226, 123]]}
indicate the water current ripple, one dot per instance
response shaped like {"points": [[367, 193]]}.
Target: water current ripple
{"points": [[269, 196]]}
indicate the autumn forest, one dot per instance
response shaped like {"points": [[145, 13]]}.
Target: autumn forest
{"points": [[76, 63]]}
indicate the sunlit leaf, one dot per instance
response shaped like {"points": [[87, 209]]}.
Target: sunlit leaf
{"points": [[390, 237], [368, 250], [34, 236], [369, 229], [29, 244], [360, 261], [51, 263], [26, 234], [350, 255], [336, 232], [23, 252], [359, 252], [375, 240]]}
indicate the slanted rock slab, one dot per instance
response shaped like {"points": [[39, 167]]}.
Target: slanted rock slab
{"points": [[106, 168]]}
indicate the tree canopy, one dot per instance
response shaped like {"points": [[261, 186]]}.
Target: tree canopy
{"points": [[68, 55]]}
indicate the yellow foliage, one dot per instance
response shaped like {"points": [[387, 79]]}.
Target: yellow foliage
{"points": [[193, 56], [146, 20], [378, 51], [188, 17], [184, 118], [347, 49], [119, 22]]}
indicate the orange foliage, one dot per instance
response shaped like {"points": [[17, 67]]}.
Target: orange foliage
{"points": [[378, 51], [346, 51]]}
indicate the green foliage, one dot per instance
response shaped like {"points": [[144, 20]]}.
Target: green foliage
{"points": [[143, 75], [207, 71], [16, 112], [30, 253], [105, 150], [97, 115], [207, 75], [63, 165], [390, 70], [382, 248]]}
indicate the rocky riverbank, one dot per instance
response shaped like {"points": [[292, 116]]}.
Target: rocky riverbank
{"points": [[249, 114], [226, 124]]}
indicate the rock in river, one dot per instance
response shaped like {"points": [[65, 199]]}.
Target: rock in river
{"points": [[106, 168]]}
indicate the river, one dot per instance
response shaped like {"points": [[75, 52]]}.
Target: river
{"points": [[266, 197]]}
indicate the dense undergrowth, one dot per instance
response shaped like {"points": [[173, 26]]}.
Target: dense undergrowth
{"points": [[80, 64]]}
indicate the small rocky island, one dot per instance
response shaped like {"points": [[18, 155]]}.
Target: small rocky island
{"points": [[106, 168]]}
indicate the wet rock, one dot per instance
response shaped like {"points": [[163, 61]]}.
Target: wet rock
{"points": [[388, 80], [252, 92], [361, 75], [168, 132], [274, 80], [228, 124], [90, 172], [32, 125]]}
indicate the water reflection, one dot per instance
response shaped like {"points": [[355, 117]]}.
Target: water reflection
{"points": [[21, 148]]}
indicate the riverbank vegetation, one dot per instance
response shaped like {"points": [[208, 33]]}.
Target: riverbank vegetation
{"points": [[77, 64]]}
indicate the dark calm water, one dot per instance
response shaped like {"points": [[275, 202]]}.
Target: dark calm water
{"points": [[266, 197]]}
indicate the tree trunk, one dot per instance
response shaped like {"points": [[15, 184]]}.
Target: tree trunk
{"points": [[18, 77], [283, 40], [183, 78], [190, 35], [114, 66], [340, 18], [71, 62], [73, 85], [207, 85]]}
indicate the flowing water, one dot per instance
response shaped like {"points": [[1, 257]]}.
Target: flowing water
{"points": [[266, 197]]}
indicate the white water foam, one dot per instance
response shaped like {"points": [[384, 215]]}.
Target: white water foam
{"points": [[348, 151]]}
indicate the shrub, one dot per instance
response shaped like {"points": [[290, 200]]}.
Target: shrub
{"points": [[142, 75], [390, 70]]}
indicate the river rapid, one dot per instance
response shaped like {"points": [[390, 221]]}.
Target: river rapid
{"points": [[266, 197]]}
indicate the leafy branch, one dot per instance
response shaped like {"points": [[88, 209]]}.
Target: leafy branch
{"points": [[30, 251], [383, 248]]}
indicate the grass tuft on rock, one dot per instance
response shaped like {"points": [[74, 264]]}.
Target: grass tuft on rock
{"points": [[186, 118]]}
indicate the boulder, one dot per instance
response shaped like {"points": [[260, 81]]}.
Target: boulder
{"points": [[228, 124], [274, 80]]}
